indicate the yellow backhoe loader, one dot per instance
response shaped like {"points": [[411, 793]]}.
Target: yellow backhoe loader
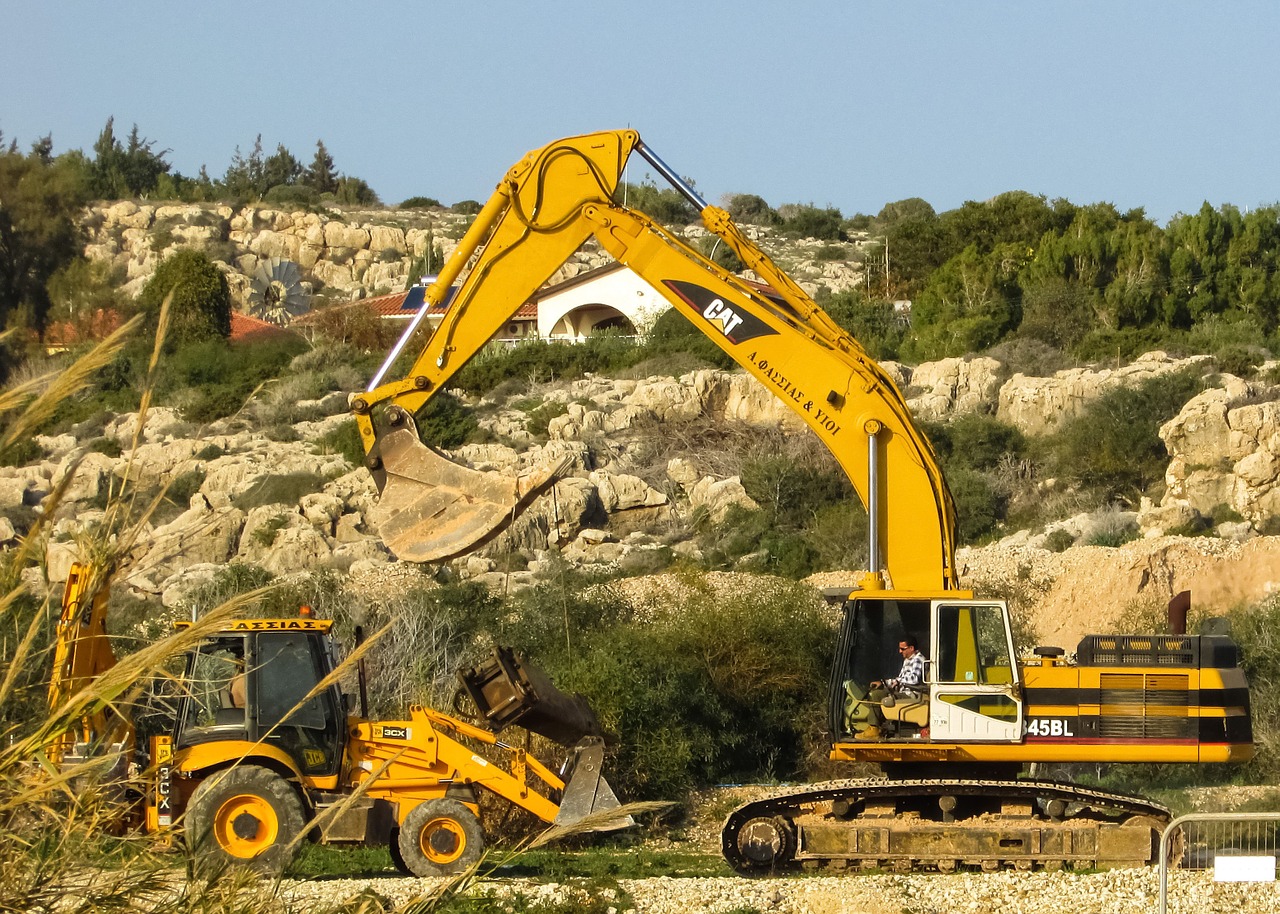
{"points": [[264, 752], [952, 796]]}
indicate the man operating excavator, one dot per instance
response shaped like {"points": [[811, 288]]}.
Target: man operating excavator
{"points": [[909, 685]]}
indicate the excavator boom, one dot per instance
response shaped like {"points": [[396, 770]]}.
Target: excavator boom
{"points": [[547, 206]]}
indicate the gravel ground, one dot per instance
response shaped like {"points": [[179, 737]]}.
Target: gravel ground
{"points": [[1118, 892]]}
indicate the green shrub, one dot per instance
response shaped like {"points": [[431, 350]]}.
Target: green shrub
{"points": [[540, 416], [109, 446], [1060, 540], [804, 220], [975, 440], [201, 307], [211, 379], [444, 422], [1111, 538], [1114, 445], [723, 687], [1255, 627], [1225, 514], [979, 507], [210, 452], [344, 439], [1029, 356], [793, 493], [183, 486], [750, 210], [284, 489], [20, 453], [419, 203], [265, 535], [839, 534]]}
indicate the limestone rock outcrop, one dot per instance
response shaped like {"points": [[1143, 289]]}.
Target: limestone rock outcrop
{"points": [[953, 386], [1224, 449], [1039, 405]]}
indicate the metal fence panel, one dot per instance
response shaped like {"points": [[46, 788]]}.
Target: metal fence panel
{"points": [[1238, 846]]}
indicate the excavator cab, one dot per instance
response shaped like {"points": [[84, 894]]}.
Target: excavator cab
{"points": [[973, 684], [251, 686]]}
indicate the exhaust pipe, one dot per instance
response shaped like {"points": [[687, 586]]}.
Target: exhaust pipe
{"points": [[1178, 609]]}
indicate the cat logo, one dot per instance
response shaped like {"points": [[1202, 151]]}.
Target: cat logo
{"points": [[734, 325]]}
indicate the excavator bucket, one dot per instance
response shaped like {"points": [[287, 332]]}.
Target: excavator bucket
{"points": [[432, 509], [508, 690]]}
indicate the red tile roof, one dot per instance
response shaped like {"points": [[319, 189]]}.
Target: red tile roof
{"points": [[393, 305], [245, 327], [64, 334]]}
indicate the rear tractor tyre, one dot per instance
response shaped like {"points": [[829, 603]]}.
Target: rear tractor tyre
{"points": [[244, 816], [439, 838]]}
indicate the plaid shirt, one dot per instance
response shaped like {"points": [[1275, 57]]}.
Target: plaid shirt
{"points": [[912, 675]]}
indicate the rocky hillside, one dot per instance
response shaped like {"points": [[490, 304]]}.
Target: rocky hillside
{"points": [[291, 503], [349, 255]]}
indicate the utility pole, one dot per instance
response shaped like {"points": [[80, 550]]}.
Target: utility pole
{"points": [[886, 267]]}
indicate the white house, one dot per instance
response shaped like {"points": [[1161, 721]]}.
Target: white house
{"points": [[571, 310]]}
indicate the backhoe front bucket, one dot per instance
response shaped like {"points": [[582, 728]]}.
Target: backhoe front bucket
{"points": [[588, 798], [432, 509]]}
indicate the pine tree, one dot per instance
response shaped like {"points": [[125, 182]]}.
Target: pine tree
{"points": [[321, 176], [106, 180]]}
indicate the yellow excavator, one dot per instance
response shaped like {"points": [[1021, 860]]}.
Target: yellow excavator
{"points": [[952, 795], [262, 752]]}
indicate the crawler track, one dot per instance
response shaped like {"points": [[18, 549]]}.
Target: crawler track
{"points": [[942, 824]]}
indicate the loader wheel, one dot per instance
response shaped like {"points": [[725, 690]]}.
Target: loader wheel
{"points": [[396, 857], [440, 838], [246, 815]]}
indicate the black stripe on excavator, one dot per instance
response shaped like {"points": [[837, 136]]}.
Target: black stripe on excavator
{"points": [[735, 326], [1224, 698]]}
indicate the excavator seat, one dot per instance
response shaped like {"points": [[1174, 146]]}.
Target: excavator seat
{"points": [[908, 710], [904, 709]]}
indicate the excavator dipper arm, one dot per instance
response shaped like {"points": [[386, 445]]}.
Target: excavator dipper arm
{"points": [[547, 207]]}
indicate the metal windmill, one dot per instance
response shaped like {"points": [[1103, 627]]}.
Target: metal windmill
{"points": [[277, 294]]}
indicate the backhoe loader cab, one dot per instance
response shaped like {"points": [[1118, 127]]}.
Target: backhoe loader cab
{"points": [[256, 687], [260, 752]]}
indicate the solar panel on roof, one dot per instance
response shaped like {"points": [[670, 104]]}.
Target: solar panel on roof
{"points": [[413, 300]]}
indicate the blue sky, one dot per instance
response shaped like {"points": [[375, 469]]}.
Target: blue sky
{"points": [[846, 104]]}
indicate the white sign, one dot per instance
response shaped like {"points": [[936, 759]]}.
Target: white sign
{"points": [[1244, 869]]}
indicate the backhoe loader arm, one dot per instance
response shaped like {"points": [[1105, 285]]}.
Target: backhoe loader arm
{"points": [[548, 205]]}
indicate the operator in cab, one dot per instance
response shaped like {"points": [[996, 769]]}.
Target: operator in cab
{"points": [[909, 685]]}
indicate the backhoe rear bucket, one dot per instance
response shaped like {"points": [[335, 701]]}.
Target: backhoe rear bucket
{"points": [[432, 509], [507, 690], [587, 797]]}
